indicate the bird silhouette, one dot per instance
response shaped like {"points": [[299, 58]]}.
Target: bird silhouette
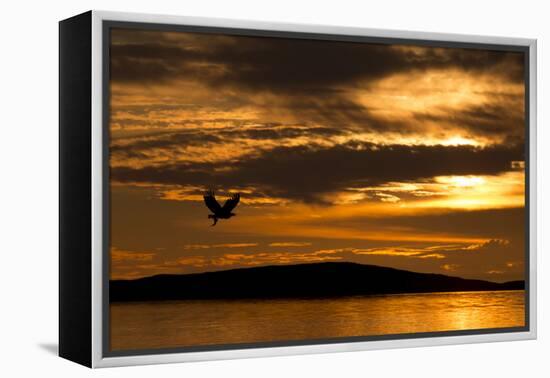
{"points": [[219, 211]]}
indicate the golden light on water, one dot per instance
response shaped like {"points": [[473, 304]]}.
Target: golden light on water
{"points": [[207, 322]]}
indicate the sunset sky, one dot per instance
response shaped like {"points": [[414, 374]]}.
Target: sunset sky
{"points": [[396, 155]]}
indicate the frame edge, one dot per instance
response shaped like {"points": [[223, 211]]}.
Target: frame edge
{"points": [[75, 276]]}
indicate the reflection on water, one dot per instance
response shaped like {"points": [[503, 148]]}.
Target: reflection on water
{"points": [[149, 325]]}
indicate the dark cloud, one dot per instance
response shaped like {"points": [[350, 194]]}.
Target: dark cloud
{"points": [[131, 123], [290, 65], [137, 146], [275, 134], [311, 77], [492, 223], [498, 119], [341, 115], [146, 109], [127, 69], [304, 172]]}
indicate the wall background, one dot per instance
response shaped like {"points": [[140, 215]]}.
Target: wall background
{"points": [[28, 207]]}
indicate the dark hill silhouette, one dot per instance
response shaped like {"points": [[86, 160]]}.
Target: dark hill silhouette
{"points": [[287, 281]]}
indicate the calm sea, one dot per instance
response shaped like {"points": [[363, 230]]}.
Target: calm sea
{"points": [[149, 325]]}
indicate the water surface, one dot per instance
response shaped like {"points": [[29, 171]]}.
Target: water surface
{"points": [[150, 325]]}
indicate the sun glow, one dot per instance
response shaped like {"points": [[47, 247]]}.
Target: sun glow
{"points": [[461, 181], [460, 141]]}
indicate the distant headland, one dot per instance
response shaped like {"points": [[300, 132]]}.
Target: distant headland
{"points": [[329, 279]]}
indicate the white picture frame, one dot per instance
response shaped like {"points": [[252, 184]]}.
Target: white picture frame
{"points": [[98, 356]]}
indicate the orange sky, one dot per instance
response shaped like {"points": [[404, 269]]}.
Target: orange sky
{"points": [[394, 155]]}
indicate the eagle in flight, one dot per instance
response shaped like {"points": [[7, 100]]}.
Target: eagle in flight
{"points": [[219, 211]]}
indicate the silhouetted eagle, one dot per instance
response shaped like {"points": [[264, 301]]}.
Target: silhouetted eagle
{"points": [[220, 212]]}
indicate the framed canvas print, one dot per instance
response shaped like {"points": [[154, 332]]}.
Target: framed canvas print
{"points": [[235, 189]]}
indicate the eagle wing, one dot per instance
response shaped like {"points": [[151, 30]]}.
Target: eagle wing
{"points": [[231, 202], [211, 203]]}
